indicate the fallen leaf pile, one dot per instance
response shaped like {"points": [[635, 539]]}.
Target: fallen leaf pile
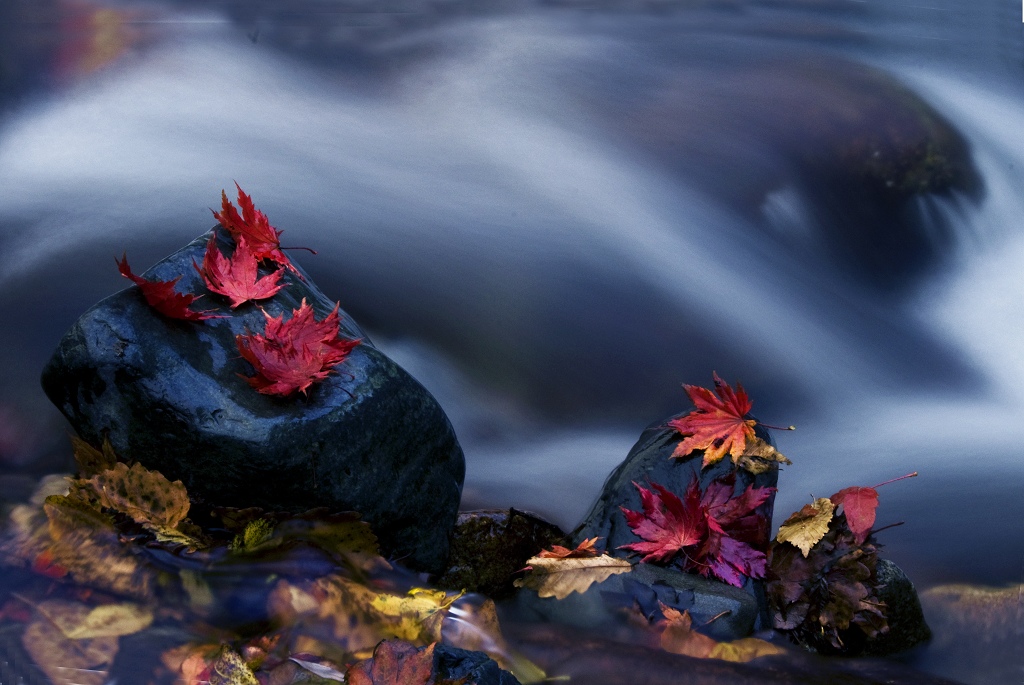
{"points": [[711, 533]]}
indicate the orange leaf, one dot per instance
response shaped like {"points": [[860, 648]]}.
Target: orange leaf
{"points": [[584, 549], [394, 662]]}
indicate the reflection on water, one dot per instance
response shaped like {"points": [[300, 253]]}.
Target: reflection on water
{"points": [[554, 214]]}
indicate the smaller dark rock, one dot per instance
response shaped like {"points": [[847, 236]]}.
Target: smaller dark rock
{"points": [[489, 546], [907, 627], [650, 461], [456, 664], [728, 612]]}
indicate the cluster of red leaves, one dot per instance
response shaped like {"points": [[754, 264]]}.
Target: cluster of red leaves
{"points": [[292, 355], [253, 228], [820, 597], [712, 533]]}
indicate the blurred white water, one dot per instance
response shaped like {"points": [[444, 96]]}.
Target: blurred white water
{"points": [[509, 247]]}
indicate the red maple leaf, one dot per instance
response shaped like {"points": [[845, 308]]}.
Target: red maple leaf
{"points": [[583, 550], [253, 227], [394, 662], [859, 505], [292, 355], [237, 278], [718, 425], [161, 296], [713, 534]]}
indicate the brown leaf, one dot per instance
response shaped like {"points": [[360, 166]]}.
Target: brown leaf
{"points": [[807, 526], [91, 460], [559, 578], [144, 495], [759, 456], [679, 637], [583, 550], [394, 662]]}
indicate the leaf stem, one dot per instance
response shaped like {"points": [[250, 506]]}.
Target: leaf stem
{"points": [[777, 428], [909, 475], [891, 525], [307, 249]]}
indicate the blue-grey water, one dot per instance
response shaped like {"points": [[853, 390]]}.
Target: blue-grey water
{"points": [[555, 214]]}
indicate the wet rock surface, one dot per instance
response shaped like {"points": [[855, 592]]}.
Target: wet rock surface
{"points": [[725, 612], [650, 461], [475, 667], [488, 547], [907, 627], [168, 394]]}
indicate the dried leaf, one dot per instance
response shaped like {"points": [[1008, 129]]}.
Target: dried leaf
{"points": [[679, 637], [91, 460], [85, 542], [78, 621], [759, 457], [744, 650], [558, 578], [144, 495], [807, 526], [64, 660], [394, 662], [230, 669]]}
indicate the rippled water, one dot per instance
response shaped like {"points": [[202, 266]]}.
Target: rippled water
{"points": [[555, 214]]}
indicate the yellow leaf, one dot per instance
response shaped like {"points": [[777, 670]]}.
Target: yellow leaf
{"points": [[230, 669], [558, 578], [744, 649], [807, 526], [108, 620]]}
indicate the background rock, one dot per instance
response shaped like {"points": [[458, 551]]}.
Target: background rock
{"points": [[907, 627], [168, 394]]}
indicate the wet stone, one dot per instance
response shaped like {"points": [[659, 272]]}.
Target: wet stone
{"points": [[907, 627], [168, 395], [725, 612], [460, 665], [650, 461]]}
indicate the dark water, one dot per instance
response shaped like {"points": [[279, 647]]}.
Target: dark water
{"points": [[553, 214]]}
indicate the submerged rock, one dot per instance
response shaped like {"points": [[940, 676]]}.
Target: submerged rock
{"points": [[458, 665], [488, 547], [650, 462], [726, 612], [168, 394]]}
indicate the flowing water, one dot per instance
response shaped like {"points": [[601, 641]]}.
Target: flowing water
{"points": [[554, 214]]}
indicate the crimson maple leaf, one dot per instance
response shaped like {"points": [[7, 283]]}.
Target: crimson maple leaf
{"points": [[292, 355], [713, 534], [237, 278], [161, 296], [859, 504], [253, 227], [718, 425]]}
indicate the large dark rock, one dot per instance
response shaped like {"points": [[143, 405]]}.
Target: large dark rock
{"points": [[168, 394], [650, 461], [457, 664]]}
